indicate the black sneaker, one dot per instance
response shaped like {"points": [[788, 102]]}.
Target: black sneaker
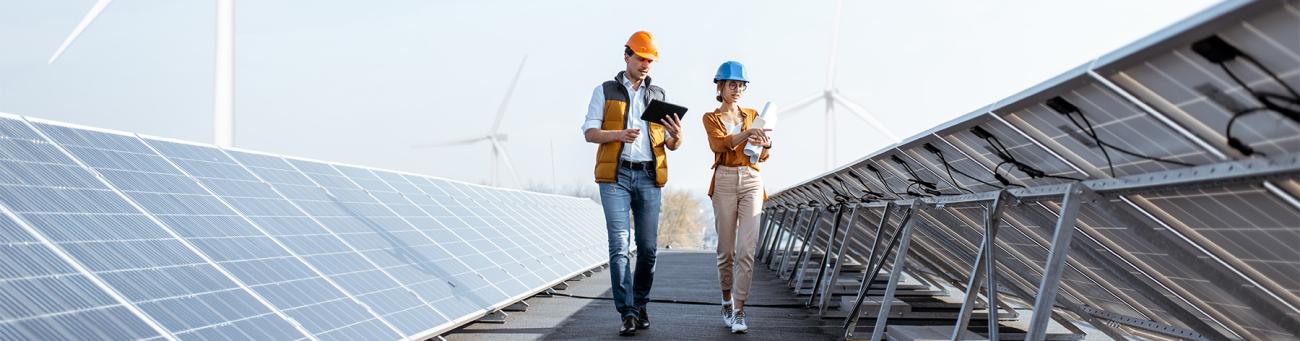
{"points": [[629, 326], [643, 320]]}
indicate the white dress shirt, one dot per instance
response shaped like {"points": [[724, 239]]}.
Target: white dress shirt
{"points": [[639, 150]]}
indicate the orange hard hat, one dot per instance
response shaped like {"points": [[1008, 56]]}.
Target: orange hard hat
{"points": [[643, 44]]}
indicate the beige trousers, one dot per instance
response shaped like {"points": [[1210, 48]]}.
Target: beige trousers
{"points": [[737, 203]]}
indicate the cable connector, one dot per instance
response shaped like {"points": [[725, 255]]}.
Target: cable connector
{"points": [[897, 160], [1241, 147], [1215, 49], [1002, 179], [931, 148], [1061, 106]]}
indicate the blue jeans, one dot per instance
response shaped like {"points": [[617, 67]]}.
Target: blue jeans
{"points": [[634, 191]]}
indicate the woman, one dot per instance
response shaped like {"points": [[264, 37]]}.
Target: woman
{"points": [[736, 190]]}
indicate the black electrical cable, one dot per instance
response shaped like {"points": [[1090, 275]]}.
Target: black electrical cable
{"points": [[1030, 170], [1262, 97], [1270, 73], [867, 192], [948, 168], [882, 180], [687, 302], [1093, 133], [986, 183], [1003, 153], [914, 193], [1218, 51], [1236, 143], [1103, 145], [925, 186]]}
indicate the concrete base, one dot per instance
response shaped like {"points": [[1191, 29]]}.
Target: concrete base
{"points": [[496, 317]]}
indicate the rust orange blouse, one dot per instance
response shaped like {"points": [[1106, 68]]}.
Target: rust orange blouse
{"points": [[719, 139]]}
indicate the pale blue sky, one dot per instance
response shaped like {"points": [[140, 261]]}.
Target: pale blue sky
{"points": [[361, 81]]}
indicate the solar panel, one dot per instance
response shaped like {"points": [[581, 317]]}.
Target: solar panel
{"points": [[459, 290], [300, 287], [145, 263], [106, 235], [1185, 230], [363, 251], [452, 215], [46, 297]]}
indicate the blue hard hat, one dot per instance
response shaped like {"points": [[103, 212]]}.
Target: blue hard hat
{"points": [[731, 71]]}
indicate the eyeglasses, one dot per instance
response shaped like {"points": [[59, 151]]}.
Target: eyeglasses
{"points": [[739, 86]]}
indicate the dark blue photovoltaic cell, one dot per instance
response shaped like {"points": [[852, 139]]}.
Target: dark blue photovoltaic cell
{"points": [[302, 293], [358, 254], [133, 255]]}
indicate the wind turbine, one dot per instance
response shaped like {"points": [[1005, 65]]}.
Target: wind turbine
{"points": [[832, 98], [493, 137], [223, 113]]}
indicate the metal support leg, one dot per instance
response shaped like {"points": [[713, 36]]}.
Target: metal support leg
{"points": [[778, 228], [991, 221], [796, 274], [839, 262], [826, 256], [873, 267], [789, 244], [790, 232], [900, 262], [985, 261], [785, 228], [1056, 256], [770, 217], [763, 220]]}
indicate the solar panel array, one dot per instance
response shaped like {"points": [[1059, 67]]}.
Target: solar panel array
{"points": [[1187, 228], [114, 236]]}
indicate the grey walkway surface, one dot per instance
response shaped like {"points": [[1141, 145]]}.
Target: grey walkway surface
{"points": [[680, 275]]}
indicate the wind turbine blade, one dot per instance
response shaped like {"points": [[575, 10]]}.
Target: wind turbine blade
{"points": [[85, 22], [505, 158], [871, 120], [794, 108], [453, 142], [835, 45], [501, 110]]}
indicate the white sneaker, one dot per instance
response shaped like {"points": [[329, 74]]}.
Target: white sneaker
{"points": [[727, 313], [738, 323]]}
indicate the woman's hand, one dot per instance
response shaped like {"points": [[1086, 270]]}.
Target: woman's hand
{"points": [[761, 140], [751, 132]]}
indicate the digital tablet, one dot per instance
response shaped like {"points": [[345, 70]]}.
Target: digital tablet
{"points": [[657, 110]]}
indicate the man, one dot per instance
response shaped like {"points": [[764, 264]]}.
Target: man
{"points": [[631, 167]]}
